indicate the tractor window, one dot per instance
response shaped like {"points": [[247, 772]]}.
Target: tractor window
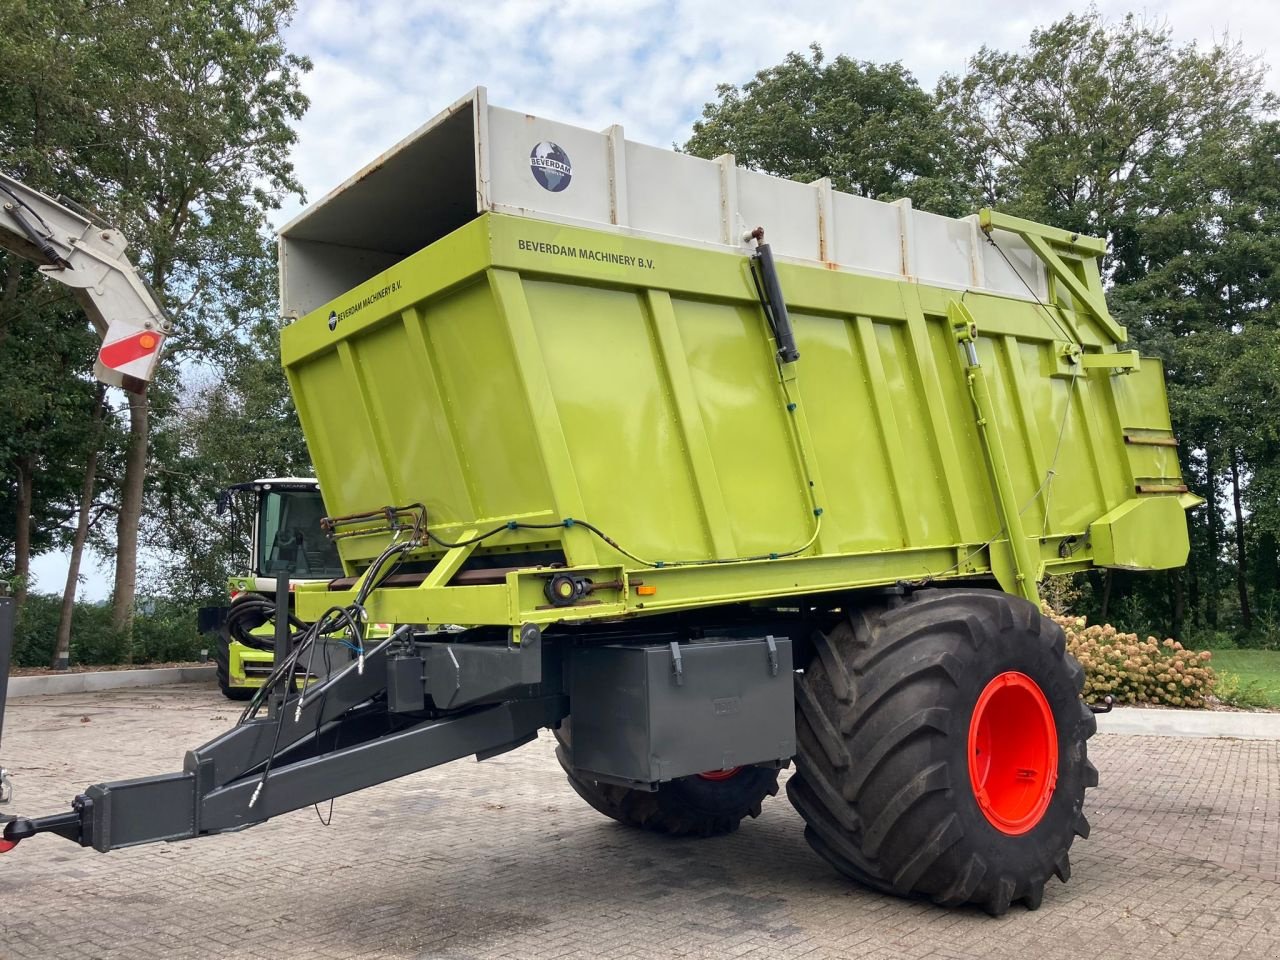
{"points": [[290, 540]]}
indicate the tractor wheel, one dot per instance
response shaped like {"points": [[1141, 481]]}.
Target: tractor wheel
{"points": [[942, 749], [222, 660], [704, 805]]}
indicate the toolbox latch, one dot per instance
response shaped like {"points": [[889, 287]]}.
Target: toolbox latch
{"points": [[773, 655], [677, 664]]}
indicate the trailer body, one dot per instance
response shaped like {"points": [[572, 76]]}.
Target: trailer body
{"points": [[511, 363]]}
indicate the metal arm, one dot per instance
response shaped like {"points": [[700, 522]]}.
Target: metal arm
{"points": [[89, 258]]}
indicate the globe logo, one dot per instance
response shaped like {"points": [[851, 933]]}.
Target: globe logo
{"points": [[333, 319], [551, 166]]}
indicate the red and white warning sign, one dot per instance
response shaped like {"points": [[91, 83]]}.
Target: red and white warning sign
{"points": [[128, 356]]}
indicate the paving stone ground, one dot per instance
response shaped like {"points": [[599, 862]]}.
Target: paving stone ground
{"points": [[502, 860]]}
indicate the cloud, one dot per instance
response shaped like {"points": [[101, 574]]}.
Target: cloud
{"points": [[383, 68]]}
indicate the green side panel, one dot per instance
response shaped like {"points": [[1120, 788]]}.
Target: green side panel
{"points": [[744, 413], [618, 419], [521, 371], [848, 404], [491, 426]]}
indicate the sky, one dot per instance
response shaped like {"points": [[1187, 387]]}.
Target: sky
{"points": [[382, 68]]}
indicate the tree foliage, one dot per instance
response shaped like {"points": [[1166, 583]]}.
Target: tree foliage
{"points": [[1169, 152], [237, 425], [869, 127], [174, 121], [1107, 128]]}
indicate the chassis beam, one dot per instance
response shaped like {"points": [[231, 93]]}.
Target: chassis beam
{"points": [[345, 740]]}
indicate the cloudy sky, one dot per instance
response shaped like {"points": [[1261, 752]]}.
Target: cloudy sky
{"points": [[383, 67]]}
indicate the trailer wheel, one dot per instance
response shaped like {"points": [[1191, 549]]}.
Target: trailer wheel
{"points": [[942, 749], [222, 660], [705, 805]]}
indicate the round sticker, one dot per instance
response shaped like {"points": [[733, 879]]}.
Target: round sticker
{"points": [[550, 166]]}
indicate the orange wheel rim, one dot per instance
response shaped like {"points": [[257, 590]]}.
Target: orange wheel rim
{"points": [[1013, 753], [720, 774]]}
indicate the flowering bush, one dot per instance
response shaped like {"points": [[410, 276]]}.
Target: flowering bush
{"points": [[1133, 670]]}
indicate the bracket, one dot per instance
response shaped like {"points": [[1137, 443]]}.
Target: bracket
{"points": [[677, 664], [1069, 360], [1050, 245]]}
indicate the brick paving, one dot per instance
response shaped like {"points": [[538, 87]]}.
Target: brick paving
{"points": [[501, 859]]}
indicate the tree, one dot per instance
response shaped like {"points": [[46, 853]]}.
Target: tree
{"points": [[237, 426], [869, 127], [174, 120], [1169, 153], [1085, 128], [84, 517], [46, 395], [196, 160], [48, 88]]}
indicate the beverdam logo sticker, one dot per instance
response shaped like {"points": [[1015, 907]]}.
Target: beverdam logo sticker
{"points": [[550, 166]]}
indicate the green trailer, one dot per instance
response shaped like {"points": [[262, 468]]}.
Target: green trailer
{"points": [[708, 472]]}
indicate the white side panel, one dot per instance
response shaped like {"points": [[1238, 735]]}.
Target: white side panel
{"points": [[513, 187], [473, 157], [673, 194], [865, 235], [943, 250], [787, 210], [1000, 278]]}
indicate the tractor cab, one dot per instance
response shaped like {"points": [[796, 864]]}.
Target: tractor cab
{"points": [[282, 515]]}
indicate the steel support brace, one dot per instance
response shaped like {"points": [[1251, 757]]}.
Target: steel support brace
{"points": [[1026, 566], [487, 730]]}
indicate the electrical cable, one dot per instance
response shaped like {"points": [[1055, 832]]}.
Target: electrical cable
{"points": [[570, 522], [351, 618]]}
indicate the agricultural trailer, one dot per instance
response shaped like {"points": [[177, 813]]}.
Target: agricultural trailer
{"points": [[709, 472]]}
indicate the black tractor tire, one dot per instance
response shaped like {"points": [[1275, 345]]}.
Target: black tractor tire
{"points": [[883, 715], [222, 661], [687, 807]]}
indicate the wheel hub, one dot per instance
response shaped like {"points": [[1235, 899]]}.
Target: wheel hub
{"points": [[720, 774], [1013, 753]]}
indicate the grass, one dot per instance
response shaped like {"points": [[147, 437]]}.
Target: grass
{"points": [[1248, 678]]}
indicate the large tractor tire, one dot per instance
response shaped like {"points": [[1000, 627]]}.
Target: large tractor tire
{"points": [[942, 749], [705, 805]]}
